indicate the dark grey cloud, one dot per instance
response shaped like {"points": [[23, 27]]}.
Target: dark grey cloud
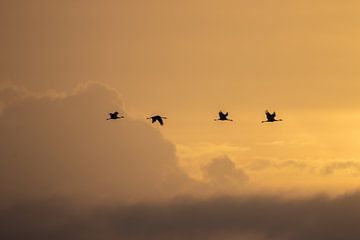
{"points": [[251, 218]]}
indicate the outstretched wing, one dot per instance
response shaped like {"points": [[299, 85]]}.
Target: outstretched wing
{"points": [[160, 120], [270, 116], [222, 115]]}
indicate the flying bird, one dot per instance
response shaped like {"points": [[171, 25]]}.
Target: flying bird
{"points": [[223, 117], [114, 116], [271, 117], [157, 118]]}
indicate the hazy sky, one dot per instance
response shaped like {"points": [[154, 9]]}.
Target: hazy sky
{"points": [[65, 64]]}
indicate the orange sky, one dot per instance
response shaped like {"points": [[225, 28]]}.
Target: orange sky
{"points": [[67, 173], [189, 59]]}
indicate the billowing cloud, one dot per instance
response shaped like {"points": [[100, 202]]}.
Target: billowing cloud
{"points": [[60, 145], [251, 218], [223, 172]]}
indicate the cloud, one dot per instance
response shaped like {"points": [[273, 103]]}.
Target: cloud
{"points": [[251, 218], [59, 145], [223, 171], [206, 149], [336, 166], [67, 173], [272, 218], [258, 164], [223, 177], [291, 163]]}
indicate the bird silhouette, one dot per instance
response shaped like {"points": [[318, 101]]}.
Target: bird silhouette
{"points": [[157, 118], [114, 116], [223, 117], [271, 117]]}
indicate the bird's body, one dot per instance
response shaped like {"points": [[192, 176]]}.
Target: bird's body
{"points": [[157, 118], [271, 117], [223, 117], [114, 116]]}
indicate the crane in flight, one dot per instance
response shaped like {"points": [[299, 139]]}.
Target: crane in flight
{"points": [[158, 118], [271, 117], [223, 117], [114, 116]]}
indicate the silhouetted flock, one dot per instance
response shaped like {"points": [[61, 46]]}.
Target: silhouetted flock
{"points": [[270, 117]]}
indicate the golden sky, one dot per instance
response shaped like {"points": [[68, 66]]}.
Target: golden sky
{"points": [[65, 64]]}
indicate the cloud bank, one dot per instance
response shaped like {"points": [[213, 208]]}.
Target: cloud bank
{"points": [[59, 145], [67, 173], [251, 218]]}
